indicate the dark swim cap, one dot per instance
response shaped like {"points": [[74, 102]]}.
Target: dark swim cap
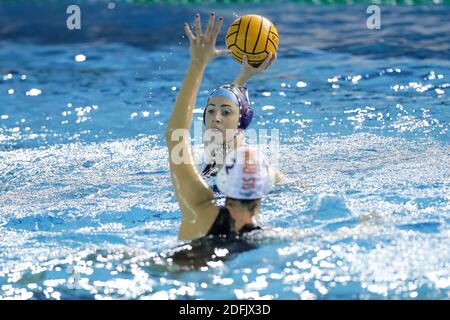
{"points": [[239, 95]]}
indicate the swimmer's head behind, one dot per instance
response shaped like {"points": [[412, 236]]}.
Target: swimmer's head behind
{"points": [[228, 107], [245, 175]]}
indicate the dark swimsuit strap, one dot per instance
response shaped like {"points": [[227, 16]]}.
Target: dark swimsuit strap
{"points": [[208, 169], [225, 225]]}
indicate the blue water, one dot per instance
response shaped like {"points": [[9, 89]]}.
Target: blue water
{"points": [[86, 203]]}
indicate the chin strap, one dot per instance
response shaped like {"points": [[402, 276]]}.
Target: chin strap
{"points": [[211, 168], [226, 146]]}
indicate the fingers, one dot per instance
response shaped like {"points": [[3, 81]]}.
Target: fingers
{"points": [[245, 60], [266, 62], [216, 29], [188, 32], [274, 57], [198, 26], [207, 39], [222, 52], [210, 25]]}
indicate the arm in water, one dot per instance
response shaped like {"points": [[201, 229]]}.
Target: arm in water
{"points": [[195, 198]]}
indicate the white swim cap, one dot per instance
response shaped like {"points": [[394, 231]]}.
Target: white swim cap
{"points": [[245, 175]]}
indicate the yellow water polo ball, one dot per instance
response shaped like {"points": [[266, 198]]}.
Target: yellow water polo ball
{"points": [[254, 36]]}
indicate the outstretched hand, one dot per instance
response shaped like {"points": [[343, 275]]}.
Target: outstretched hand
{"points": [[248, 71], [202, 45]]}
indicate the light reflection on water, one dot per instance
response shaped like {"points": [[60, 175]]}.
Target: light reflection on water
{"points": [[86, 205], [366, 224]]}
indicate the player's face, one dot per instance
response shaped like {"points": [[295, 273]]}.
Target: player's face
{"points": [[222, 114]]}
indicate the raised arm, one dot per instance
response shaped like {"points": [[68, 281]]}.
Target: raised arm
{"points": [[247, 71], [195, 198]]}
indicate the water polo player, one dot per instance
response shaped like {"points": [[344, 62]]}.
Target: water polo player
{"points": [[227, 114], [244, 178]]}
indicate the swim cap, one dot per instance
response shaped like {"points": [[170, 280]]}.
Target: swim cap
{"points": [[239, 96], [246, 175]]}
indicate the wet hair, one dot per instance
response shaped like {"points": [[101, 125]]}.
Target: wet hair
{"points": [[249, 204]]}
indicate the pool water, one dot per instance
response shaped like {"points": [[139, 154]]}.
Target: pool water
{"points": [[86, 203]]}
